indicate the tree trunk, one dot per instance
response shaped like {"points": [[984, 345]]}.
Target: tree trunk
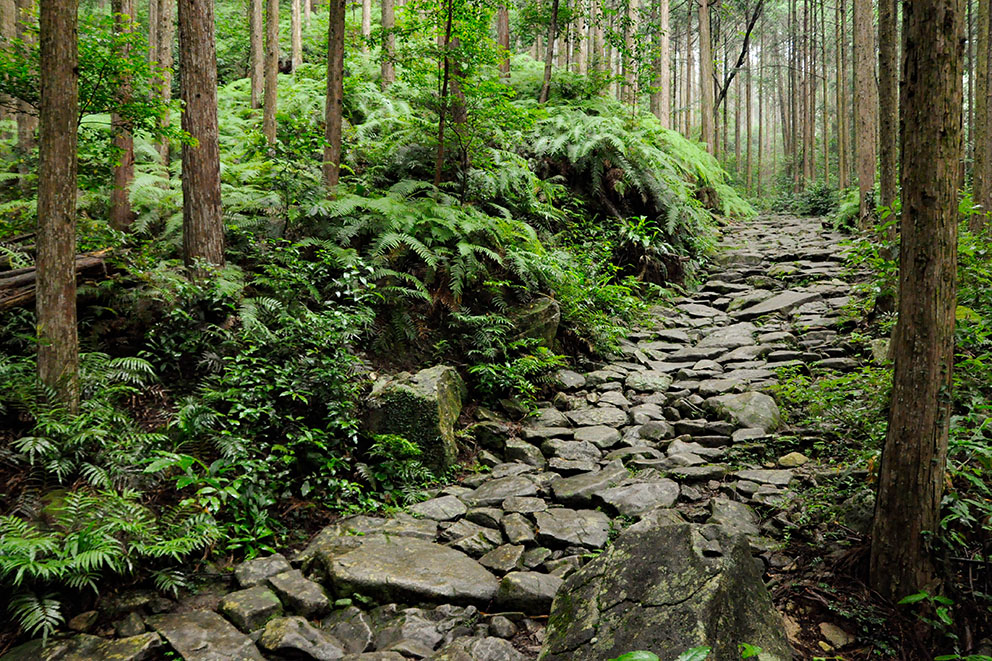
{"points": [[866, 107], [8, 30], [688, 71], [843, 168], [661, 96], [628, 59], [552, 33], [58, 343], [203, 224], [747, 120], [296, 26], [257, 56], [706, 78], [761, 112], [981, 181], [271, 70], [152, 31], [166, 33], [121, 215], [334, 108], [503, 38], [387, 70], [366, 24], [911, 475], [307, 10], [888, 103]]}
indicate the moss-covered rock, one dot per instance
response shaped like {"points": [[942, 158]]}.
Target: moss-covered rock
{"points": [[539, 320], [422, 408]]}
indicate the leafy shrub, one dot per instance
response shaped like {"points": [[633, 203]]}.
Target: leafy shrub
{"points": [[527, 368]]}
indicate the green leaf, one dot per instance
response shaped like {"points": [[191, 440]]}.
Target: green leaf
{"points": [[637, 656], [695, 654], [914, 598]]}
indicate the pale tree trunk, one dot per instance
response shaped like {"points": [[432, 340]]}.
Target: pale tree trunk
{"points": [[334, 105], [271, 70], [503, 38], [387, 69], [661, 100], [307, 10], [58, 343], [688, 71], [257, 57], [8, 30], [865, 107], [911, 475], [552, 33], [826, 98], [152, 31], [596, 38], [166, 33], [706, 77], [628, 60], [888, 103], [761, 112], [121, 215], [981, 173], [296, 26], [842, 118], [203, 224], [747, 121], [366, 24], [27, 122]]}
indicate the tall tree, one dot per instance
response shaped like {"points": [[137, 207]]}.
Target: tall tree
{"points": [[865, 106], [707, 108], [166, 33], [982, 167], [388, 71], [256, 63], [203, 224], [58, 344], [911, 476], [548, 57], [842, 123], [366, 24], [334, 107], [27, 121], [296, 36], [503, 39], [888, 103], [121, 215], [271, 70], [661, 100], [8, 30]]}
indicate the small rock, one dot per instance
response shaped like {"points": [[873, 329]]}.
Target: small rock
{"points": [[254, 572], [301, 595], [567, 527], [530, 592], [84, 621], [835, 635], [792, 460], [504, 558], [444, 508], [132, 625], [351, 627], [502, 627], [294, 635]]}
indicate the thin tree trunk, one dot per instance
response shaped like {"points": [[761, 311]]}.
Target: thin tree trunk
{"points": [[981, 174], [27, 122], [888, 103], [296, 37], [388, 70], [911, 476], [257, 54], [661, 100], [552, 33], [271, 70], [58, 345], [688, 71], [503, 38], [121, 215], [152, 31], [203, 224], [843, 167], [307, 11], [8, 30], [747, 119], [866, 107], [366, 24], [706, 78], [166, 33], [334, 104], [761, 113], [824, 122]]}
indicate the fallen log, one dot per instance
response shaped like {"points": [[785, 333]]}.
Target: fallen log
{"points": [[17, 287]]}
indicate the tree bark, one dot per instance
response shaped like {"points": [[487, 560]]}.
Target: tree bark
{"points": [[257, 55], [706, 78], [888, 104], [27, 122], [366, 24], [334, 108], [58, 343], [552, 33], [866, 107], [747, 120], [911, 475], [387, 70], [152, 31], [981, 173], [843, 168], [121, 215], [503, 38], [166, 32], [296, 37], [8, 30], [271, 70], [203, 224]]}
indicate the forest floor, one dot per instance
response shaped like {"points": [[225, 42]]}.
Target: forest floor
{"points": [[684, 418]]}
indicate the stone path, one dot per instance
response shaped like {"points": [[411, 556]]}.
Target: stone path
{"points": [[658, 427]]}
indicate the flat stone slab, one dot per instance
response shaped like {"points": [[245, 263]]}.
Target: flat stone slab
{"points": [[580, 489], [204, 636], [408, 569], [496, 491], [649, 381], [444, 508], [634, 499], [778, 478], [780, 303], [567, 527], [607, 416]]}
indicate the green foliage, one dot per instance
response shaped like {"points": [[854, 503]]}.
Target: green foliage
{"points": [[394, 468], [526, 370]]}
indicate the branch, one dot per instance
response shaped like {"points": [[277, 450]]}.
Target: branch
{"points": [[740, 58]]}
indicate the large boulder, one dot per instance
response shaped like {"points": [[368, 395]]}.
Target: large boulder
{"points": [[422, 408], [748, 409], [539, 320], [655, 589]]}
